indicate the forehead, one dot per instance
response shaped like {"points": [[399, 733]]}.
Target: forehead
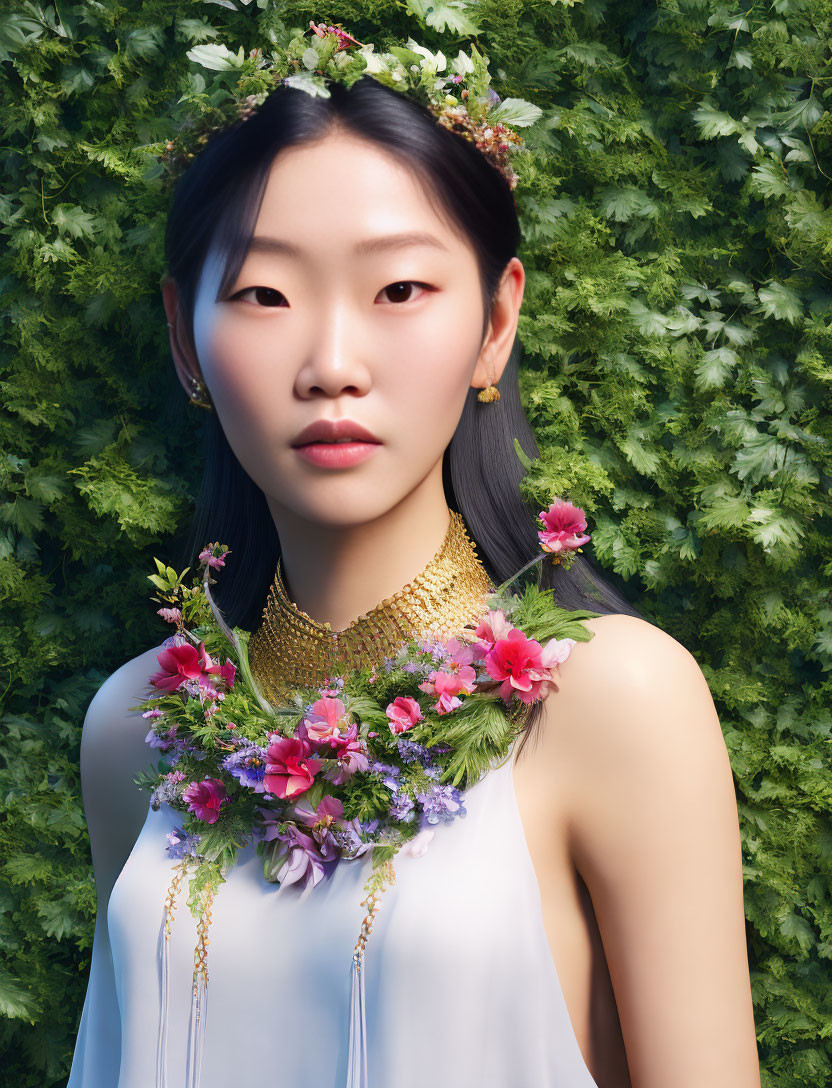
{"points": [[342, 186]]}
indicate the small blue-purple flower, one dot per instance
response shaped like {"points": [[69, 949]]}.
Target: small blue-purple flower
{"points": [[401, 807], [441, 802], [180, 844], [388, 772], [411, 750], [248, 766]]}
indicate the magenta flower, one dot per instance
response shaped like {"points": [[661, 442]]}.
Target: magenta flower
{"points": [[403, 713], [516, 661], [184, 663], [205, 799], [288, 770], [564, 526]]}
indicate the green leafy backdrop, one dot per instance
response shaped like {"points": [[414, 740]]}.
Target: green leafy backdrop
{"points": [[676, 324]]}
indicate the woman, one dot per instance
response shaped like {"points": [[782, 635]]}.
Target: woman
{"points": [[358, 280]]}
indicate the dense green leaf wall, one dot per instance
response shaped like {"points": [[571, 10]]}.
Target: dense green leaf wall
{"points": [[678, 246]]}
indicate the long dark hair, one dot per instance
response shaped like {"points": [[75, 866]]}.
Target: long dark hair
{"points": [[216, 203]]}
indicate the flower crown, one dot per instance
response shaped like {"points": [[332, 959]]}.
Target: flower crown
{"points": [[458, 93]]}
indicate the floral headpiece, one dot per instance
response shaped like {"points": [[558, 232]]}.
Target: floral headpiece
{"points": [[457, 92]]}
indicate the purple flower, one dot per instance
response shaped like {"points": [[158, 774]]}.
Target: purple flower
{"points": [[388, 772], [322, 820], [401, 807], [352, 837], [302, 862], [410, 751], [441, 802], [181, 844], [164, 742], [248, 766]]}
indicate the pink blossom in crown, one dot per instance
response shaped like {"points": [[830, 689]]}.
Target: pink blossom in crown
{"points": [[403, 713], [205, 799], [564, 526], [513, 660], [345, 40]]}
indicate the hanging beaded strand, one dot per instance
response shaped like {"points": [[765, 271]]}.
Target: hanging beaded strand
{"points": [[377, 883], [168, 912]]}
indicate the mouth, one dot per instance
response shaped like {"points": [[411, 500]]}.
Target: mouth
{"points": [[334, 432]]}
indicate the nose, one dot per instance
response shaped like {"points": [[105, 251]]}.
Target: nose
{"points": [[334, 361]]}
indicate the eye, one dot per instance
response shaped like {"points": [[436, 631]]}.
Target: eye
{"points": [[268, 296], [401, 287]]}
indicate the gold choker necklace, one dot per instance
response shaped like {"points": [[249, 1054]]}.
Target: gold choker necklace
{"points": [[289, 649]]}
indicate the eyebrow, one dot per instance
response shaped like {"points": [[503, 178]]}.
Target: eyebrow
{"points": [[264, 244]]}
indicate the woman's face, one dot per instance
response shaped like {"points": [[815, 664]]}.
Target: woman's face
{"points": [[335, 316]]}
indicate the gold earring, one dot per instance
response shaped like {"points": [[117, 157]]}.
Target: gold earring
{"points": [[489, 394], [199, 394]]}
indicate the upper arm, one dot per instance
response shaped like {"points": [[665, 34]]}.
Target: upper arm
{"points": [[113, 750], [653, 830]]}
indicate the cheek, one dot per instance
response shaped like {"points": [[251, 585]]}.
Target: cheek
{"points": [[430, 381], [243, 382]]}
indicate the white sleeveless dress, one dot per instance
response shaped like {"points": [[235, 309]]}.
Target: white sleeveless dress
{"points": [[461, 987]]}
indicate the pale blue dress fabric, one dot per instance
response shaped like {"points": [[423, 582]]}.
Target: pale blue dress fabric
{"points": [[461, 987]]}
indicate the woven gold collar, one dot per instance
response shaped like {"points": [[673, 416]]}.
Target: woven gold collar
{"points": [[289, 649]]}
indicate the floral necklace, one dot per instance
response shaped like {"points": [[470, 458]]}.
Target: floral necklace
{"points": [[362, 764]]}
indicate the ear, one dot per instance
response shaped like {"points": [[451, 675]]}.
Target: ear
{"points": [[184, 356], [502, 326]]}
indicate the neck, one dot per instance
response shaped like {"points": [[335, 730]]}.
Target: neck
{"points": [[336, 573], [398, 592]]}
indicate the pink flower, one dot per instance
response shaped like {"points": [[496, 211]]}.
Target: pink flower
{"points": [[182, 663], [172, 615], [345, 40], [459, 653], [492, 626], [205, 799], [403, 713], [326, 722], [564, 527], [448, 686], [516, 661], [351, 755], [288, 770], [207, 557]]}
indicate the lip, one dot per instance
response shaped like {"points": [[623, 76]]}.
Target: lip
{"points": [[318, 443], [330, 430]]}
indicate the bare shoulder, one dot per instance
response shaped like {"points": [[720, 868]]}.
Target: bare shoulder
{"points": [[633, 706], [633, 747], [113, 751]]}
